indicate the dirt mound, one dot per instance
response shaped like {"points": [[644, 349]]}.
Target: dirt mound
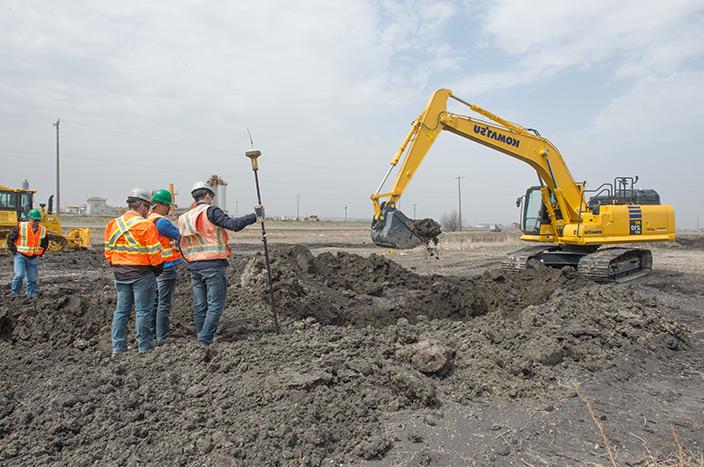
{"points": [[547, 348], [361, 338], [345, 288], [694, 242]]}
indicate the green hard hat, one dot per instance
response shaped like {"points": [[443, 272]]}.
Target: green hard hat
{"points": [[35, 214], [163, 197]]}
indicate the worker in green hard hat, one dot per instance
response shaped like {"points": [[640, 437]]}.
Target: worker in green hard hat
{"points": [[166, 282], [27, 242]]}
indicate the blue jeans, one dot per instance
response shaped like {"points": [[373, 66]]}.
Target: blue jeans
{"points": [[140, 293], [164, 300], [209, 293], [26, 266]]}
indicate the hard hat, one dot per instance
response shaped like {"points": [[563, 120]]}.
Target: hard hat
{"points": [[140, 193], [35, 214], [163, 197], [201, 186]]}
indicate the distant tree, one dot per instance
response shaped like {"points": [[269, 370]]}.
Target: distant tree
{"points": [[450, 221]]}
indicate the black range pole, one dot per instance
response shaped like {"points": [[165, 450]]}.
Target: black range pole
{"points": [[253, 156]]}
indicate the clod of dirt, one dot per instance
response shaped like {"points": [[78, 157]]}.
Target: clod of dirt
{"points": [[432, 358], [426, 229]]}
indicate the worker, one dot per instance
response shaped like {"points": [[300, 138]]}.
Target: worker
{"points": [[27, 242], [204, 245], [133, 250], [166, 282]]}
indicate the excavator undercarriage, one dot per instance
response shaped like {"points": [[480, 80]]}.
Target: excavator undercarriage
{"points": [[612, 264]]}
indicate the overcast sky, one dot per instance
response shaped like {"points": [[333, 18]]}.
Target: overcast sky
{"points": [[155, 92]]}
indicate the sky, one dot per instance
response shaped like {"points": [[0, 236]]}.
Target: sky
{"points": [[155, 92]]}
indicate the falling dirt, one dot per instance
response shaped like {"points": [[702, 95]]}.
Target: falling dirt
{"points": [[426, 229], [362, 339]]}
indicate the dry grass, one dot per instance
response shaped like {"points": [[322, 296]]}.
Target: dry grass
{"points": [[678, 455]]}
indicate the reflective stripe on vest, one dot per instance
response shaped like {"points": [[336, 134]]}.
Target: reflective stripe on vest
{"points": [[168, 253], [28, 241], [133, 247], [208, 244]]}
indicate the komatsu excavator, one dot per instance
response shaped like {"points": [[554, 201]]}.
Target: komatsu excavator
{"points": [[571, 230]]}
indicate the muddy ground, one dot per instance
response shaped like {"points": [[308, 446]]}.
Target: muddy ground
{"points": [[381, 360]]}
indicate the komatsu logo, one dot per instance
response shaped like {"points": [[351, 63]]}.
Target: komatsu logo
{"points": [[489, 133]]}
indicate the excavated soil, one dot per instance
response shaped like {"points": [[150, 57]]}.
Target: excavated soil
{"points": [[427, 228], [362, 340]]}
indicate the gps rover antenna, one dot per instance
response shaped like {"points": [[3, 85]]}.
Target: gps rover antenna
{"points": [[253, 156]]}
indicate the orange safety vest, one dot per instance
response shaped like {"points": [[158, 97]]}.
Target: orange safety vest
{"points": [[168, 252], [131, 240], [28, 240], [201, 239]]}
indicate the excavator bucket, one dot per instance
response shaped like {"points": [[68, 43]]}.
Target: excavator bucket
{"points": [[393, 229]]}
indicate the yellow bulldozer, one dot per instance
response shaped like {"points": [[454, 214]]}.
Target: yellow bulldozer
{"points": [[15, 204]]}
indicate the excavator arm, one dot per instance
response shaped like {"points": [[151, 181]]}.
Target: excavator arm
{"points": [[561, 194]]}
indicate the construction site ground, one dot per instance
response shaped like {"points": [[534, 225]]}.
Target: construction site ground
{"points": [[423, 357]]}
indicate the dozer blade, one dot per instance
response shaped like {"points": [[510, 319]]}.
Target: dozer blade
{"points": [[394, 230], [79, 238]]}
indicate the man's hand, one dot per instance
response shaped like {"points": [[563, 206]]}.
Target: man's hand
{"points": [[259, 212], [158, 269]]}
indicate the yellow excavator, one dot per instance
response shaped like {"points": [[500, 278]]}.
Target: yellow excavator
{"points": [[15, 203], [572, 230]]}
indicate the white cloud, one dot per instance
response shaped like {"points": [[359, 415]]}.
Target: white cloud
{"points": [[652, 131], [313, 80], [548, 37]]}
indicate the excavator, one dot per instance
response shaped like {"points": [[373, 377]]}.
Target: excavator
{"points": [[570, 229], [15, 203]]}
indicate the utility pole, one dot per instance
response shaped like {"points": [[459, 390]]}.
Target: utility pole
{"points": [[298, 207], [237, 207], [345, 213], [459, 198], [58, 185], [414, 210]]}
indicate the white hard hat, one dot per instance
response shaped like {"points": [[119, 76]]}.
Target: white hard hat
{"points": [[140, 193], [201, 186]]}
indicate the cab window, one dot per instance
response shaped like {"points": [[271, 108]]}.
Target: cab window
{"points": [[26, 202], [8, 200], [532, 211]]}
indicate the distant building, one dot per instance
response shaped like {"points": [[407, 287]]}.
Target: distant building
{"points": [[97, 206], [75, 210]]}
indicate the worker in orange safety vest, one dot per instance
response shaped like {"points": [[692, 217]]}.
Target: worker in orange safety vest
{"points": [[204, 244], [133, 250], [166, 282], [27, 242]]}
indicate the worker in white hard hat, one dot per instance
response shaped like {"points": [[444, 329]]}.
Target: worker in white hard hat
{"points": [[133, 250], [204, 244]]}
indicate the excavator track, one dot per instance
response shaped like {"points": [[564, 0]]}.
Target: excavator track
{"points": [[616, 264], [520, 259]]}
